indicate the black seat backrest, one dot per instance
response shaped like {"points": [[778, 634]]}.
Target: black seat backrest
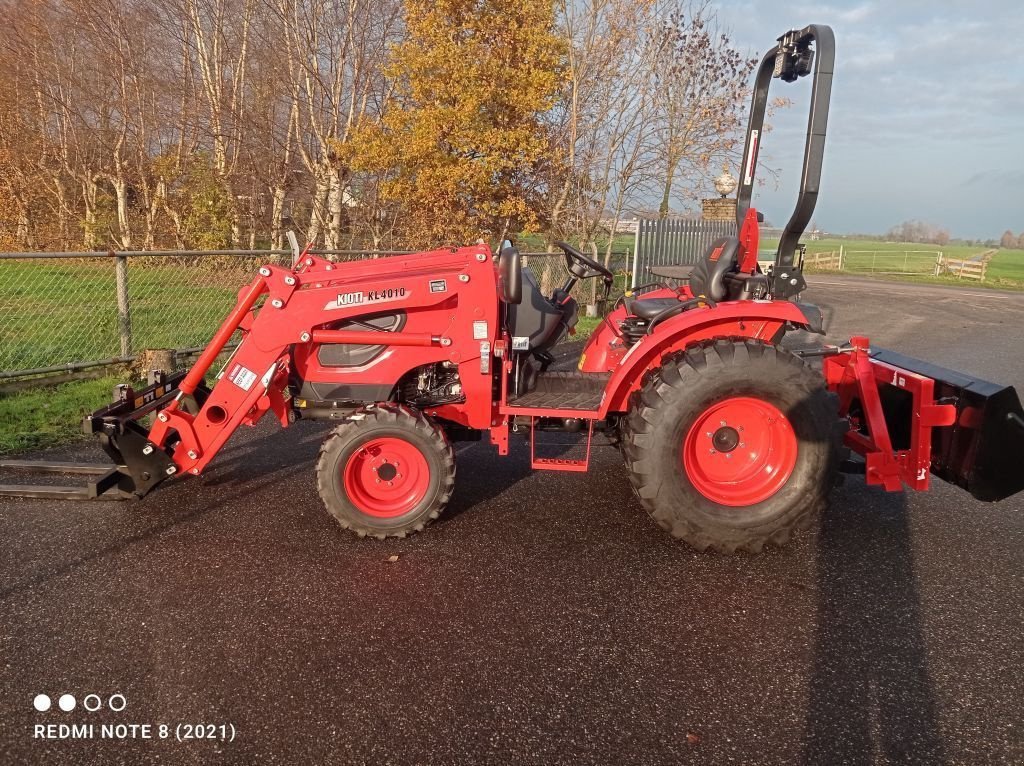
{"points": [[535, 317], [708, 276], [510, 276]]}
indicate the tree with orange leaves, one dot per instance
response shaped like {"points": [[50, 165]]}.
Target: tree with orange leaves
{"points": [[461, 141]]}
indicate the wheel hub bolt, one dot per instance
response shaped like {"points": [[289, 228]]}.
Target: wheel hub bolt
{"points": [[726, 439]]}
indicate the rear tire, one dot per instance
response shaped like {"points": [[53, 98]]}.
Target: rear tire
{"points": [[386, 472], [732, 444]]}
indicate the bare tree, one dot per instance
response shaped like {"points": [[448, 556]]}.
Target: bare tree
{"points": [[601, 122], [219, 34], [701, 81], [334, 53]]}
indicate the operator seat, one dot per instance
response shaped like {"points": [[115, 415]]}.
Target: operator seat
{"points": [[708, 276], [527, 312], [707, 279]]}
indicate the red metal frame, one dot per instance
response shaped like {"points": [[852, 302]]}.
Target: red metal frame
{"points": [[555, 463], [856, 377], [737, 319], [448, 296], [749, 237]]}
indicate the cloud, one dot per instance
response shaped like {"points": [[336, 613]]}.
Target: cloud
{"points": [[996, 177], [857, 14], [936, 89]]}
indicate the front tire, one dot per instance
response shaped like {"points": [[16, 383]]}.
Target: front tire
{"points": [[732, 444], [386, 472]]}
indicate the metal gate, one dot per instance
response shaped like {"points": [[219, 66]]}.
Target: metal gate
{"points": [[674, 242]]}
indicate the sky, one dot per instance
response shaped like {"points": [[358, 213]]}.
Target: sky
{"points": [[927, 118]]}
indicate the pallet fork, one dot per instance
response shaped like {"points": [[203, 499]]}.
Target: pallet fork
{"points": [[137, 466]]}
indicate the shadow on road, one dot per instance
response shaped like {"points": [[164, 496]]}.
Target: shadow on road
{"points": [[870, 698]]}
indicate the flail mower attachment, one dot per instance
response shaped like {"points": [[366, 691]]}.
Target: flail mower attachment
{"points": [[910, 418]]}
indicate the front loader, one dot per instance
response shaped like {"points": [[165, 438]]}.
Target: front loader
{"points": [[731, 440]]}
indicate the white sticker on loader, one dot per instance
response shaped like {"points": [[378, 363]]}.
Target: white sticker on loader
{"points": [[520, 343], [480, 329], [242, 377]]}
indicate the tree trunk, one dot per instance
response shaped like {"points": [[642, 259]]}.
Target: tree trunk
{"points": [[333, 239], [160, 196], [666, 195], [152, 210], [236, 228], [319, 212], [277, 217], [89, 193], [62, 215], [124, 225], [23, 233]]}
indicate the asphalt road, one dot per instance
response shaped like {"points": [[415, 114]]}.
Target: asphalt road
{"points": [[543, 620]]}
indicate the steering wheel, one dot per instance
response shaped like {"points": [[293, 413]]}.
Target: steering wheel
{"points": [[583, 267]]}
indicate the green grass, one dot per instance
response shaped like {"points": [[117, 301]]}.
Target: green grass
{"points": [[830, 245], [54, 312], [585, 326], [45, 417], [1007, 266]]}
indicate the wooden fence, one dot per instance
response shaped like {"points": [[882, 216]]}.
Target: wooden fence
{"points": [[832, 261], [973, 268]]}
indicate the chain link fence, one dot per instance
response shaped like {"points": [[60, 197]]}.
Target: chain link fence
{"points": [[63, 312]]}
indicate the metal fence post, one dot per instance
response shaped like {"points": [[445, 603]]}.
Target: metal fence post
{"points": [[124, 312], [636, 251]]}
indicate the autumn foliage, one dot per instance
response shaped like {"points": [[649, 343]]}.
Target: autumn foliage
{"points": [[462, 139], [380, 123]]}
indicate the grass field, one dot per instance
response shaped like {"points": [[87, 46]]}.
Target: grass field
{"points": [[55, 312], [898, 260], [829, 245], [44, 417], [1007, 267]]}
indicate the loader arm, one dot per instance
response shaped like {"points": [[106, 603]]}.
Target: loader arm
{"points": [[286, 308]]}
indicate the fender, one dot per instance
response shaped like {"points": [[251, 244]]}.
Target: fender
{"points": [[738, 319]]}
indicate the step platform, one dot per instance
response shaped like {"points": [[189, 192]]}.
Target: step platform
{"points": [[577, 391]]}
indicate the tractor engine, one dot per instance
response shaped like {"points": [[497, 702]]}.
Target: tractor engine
{"points": [[432, 385]]}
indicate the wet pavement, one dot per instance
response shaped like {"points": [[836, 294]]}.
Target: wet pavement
{"points": [[544, 619]]}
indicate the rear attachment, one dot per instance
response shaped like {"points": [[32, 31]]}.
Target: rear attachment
{"points": [[909, 419]]}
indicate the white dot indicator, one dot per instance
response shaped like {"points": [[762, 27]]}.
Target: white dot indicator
{"points": [[41, 703], [66, 702]]}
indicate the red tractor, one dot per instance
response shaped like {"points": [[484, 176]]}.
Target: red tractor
{"points": [[730, 440]]}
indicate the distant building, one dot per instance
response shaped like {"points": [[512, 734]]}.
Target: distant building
{"points": [[622, 226]]}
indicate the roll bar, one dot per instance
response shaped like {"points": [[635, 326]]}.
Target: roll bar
{"points": [[789, 60]]}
